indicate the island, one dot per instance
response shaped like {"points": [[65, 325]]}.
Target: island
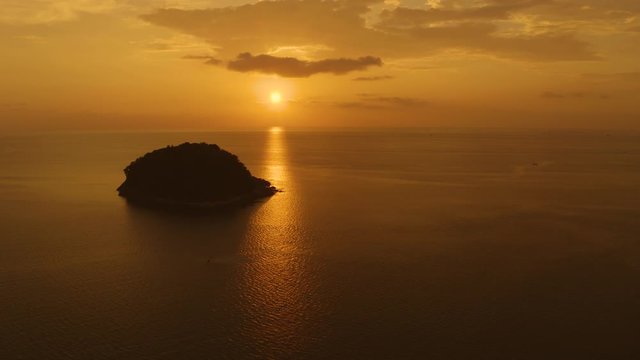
{"points": [[196, 176]]}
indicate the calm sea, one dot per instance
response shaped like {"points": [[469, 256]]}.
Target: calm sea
{"points": [[426, 244]]}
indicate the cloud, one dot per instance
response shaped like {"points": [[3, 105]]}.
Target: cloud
{"points": [[496, 10], [16, 12], [265, 25], [175, 43], [295, 68], [374, 78], [533, 12], [483, 38], [51, 11], [350, 28]]}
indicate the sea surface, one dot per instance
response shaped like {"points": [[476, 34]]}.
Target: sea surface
{"points": [[403, 244]]}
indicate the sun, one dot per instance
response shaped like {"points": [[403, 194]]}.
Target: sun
{"points": [[276, 97]]}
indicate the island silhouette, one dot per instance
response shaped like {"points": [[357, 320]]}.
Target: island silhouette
{"points": [[192, 176]]}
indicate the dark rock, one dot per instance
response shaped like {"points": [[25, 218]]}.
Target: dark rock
{"points": [[192, 176]]}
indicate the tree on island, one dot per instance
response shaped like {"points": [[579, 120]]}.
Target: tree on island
{"points": [[200, 175]]}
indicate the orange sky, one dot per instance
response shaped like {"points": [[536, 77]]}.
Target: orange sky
{"points": [[207, 64]]}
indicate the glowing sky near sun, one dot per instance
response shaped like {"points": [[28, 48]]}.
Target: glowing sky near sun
{"points": [[118, 65]]}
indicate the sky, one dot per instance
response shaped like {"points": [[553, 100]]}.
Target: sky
{"points": [[120, 65]]}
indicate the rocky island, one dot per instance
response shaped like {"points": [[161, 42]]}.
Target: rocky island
{"points": [[192, 176]]}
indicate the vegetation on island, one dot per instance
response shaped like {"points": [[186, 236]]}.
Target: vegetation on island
{"points": [[192, 175]]}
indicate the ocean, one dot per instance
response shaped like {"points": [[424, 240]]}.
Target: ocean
{"points": [[385, 244]]}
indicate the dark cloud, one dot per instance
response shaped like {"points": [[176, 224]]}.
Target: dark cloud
{"points": [[373, 101], [357, 105], [373, 78], [295, 68], [396, 101], [13, 106], [625, 76], [367, 101], [209, 60], [573, 95], [289, 66]]}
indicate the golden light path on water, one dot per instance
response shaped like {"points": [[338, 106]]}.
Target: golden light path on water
{"points": [[275, 284]]}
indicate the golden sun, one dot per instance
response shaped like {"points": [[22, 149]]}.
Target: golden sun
{"points": [[276, 97]]}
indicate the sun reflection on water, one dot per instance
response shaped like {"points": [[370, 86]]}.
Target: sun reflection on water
{"points": [[275, 283]]}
